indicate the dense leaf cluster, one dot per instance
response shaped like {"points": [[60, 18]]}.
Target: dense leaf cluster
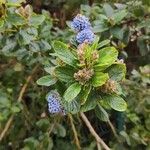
{"points": [[88, 77]]}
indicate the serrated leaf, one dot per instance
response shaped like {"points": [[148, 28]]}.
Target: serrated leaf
{"points": [[72, 91], [116, 102], [65, 74], [64, 53], [99, 79], [107, 57], [117, 72], [46, 80], [101, 113]]}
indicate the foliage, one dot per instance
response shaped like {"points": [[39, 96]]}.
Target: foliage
{"points": [[32, 41]]}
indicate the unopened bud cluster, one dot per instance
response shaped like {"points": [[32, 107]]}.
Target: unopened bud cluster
{"points": [[135, 33], [81, 53], [95, 55], [109, 87], [24, 11], [84, 75]]}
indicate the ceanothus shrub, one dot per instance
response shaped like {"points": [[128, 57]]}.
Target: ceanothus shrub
{"points": [[86, 76]]}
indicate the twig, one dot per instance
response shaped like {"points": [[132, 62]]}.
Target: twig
{"points": [[74, 132], [19, 100], [113, 130], [98, 146], [98, 139]]}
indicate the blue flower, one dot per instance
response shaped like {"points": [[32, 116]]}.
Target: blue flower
{"points": [[85, 36], [80, 23], [54, 105]]}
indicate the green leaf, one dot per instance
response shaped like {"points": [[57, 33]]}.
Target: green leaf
{"points": [[117, 32], [59, 130], [118, 16], [43, 124], [65, 74], [64, 53], [84, 94], [117, 72], [89, 104], [4, 100], [15, 19], [95, 44], [101, 113], [15, 109], [103, 43], [115, 102], [99, 79], [72, 107], [31, 143], [107, 57], [28, 35], [72, 92], [37, 20], [108, 10], [1, 23], [46, 80]]}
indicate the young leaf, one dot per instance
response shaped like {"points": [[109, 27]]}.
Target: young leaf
{"points": [[46, 80], [65, 74], [101, 113], [115, 102], [64, 53], [117, 72], [107, 57], [72, 92], [99, 79]]}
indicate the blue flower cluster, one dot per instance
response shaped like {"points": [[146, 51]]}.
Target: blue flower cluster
{"points": [[54, 105], [82, 25], [85, 36]]}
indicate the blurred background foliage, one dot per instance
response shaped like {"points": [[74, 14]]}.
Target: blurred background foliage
{"points": [[25, 44]]}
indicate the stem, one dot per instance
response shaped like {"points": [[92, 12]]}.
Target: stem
{"points": [[93, 132], [113, 130], [8, 124], [74, 132]]}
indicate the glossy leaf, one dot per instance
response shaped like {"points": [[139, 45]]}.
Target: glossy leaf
{"points": [[115, 102], [72, 91], [107, 57], [101, 113], [46, 80], [65, 74], [99, 79], [84, 94], [117, 72], [64, 53]]}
